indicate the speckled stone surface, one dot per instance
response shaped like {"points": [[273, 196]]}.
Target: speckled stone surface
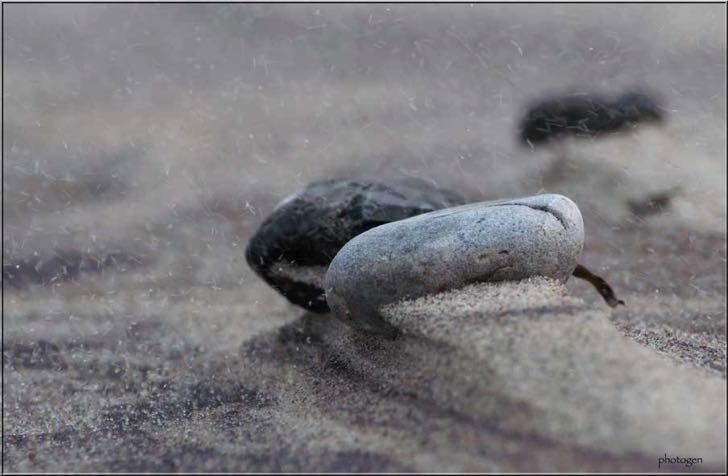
{"points": [[295, 244], [447, 249]]}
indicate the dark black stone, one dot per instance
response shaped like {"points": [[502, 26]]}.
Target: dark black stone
{"points": [[307, 229], [586, 115]]}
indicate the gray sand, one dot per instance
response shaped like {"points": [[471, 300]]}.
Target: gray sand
{"points": [[588, 384], [145, 144]]}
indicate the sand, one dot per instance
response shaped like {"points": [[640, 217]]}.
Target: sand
{"points": [[145, 144], [583, 381]]}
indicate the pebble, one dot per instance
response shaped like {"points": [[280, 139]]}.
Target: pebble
{"points": [[501, 240], [293, 247], [586, 115]]}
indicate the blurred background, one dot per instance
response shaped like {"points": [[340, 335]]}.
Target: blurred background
{"points": [[140, 125], [144, 144]]}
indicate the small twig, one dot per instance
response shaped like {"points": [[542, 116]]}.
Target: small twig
{"points": [[600, 284]]}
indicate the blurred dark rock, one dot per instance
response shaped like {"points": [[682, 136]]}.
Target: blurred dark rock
{"points": [[586, 115], [295, 244]]}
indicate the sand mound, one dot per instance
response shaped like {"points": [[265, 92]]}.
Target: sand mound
{"points": [[583, 380], [509, 376]]}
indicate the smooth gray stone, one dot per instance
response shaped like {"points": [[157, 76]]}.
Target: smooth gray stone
{"points": [[448, 249]]}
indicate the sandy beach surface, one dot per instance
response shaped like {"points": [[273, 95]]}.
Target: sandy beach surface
{"points": [[143, 145]]}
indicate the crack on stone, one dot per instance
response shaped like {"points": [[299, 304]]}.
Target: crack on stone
{"points": [[540, 208]]}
